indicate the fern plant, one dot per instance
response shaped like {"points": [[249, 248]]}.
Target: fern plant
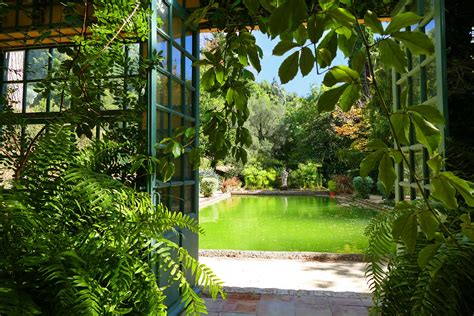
{"points": [[76, 241]]}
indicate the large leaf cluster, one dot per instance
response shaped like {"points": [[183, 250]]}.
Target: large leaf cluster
{"points": [[75, 241]]}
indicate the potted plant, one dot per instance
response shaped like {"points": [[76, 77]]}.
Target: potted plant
{"points": [[332, 187]]}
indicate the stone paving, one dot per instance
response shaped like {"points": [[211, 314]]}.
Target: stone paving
{"points": [[240, 304]]}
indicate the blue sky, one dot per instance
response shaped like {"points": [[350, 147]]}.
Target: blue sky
{"points": [[270, 64], [299, 85]]}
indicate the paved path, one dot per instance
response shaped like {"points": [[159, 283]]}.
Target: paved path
{"points": [[289, 287], [250, 304], [289, 274]]}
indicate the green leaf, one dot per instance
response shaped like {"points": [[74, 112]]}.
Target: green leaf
{"points": [[327, 4], [387, 173], [288, 17], [252, 6], [340, 74], [401, 124], [401, 21], [406, 228], [229, 97], [298, 11], [465, 188], [282, 47], [350, 96], [342, 16], [428, 223], [327, 101], [445, 192], [426, 254], [301, 35], [194, 157], [219, 74], [347, 44], [176, 149], [416, 42], [429, 112], [279, 21], [329, 42], [377, 144], [426, 133], [208, 79], [358, 61], [316, 24], [396, 155], [324, 57], [369, 162], [392, 55], [306, 61], [242, 52], [289, 68], [372, 21], [435, 164], [254, 59]]}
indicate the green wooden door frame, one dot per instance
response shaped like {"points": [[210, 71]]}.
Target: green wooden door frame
{"points": [[173, 101], [417, 87]]}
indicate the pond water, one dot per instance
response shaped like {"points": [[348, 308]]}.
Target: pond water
{"points": [[284, 223]]}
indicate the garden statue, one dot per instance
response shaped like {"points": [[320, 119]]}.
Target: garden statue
{"points": [[284, 179]]}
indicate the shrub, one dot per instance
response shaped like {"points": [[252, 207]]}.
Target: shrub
{"points": [[332, 186], [230, 184], [363, 186], [307, 176], [208, 173], [258, 178], [209, 186], [343, 183]]}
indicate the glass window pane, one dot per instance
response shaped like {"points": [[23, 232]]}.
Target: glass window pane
{"points": [[189, 199], [188, 38], [177, 96], [176, 199], [55, 102], [37, 64], [176, 62], [188, 72], [14, 96], [178, 174], [162, 125], [163, 51], [162, 90], [14, 64], [189, 102], [177, 28], [163, 14], [35, 102]]}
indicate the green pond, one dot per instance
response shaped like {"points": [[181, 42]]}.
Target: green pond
{"points": [[284, 223]]}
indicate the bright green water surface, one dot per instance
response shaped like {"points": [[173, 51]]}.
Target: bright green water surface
{"points": [[284, 223]]}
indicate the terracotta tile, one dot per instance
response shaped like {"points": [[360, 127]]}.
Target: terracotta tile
{"points": [[302, 309], [275, 308], [275, 297], [241, 306], [244, 296], [345, 301], [341, 310]]}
